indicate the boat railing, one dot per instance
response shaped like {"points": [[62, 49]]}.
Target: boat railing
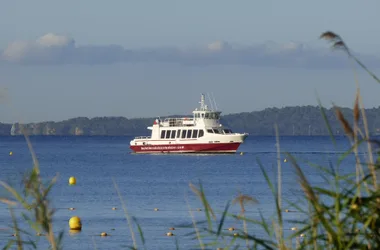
{"points": [[142, 137], [177, 122]]}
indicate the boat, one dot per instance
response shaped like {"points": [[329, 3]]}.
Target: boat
{"points": [[201, 133]]}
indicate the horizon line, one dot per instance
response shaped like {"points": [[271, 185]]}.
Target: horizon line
{"points": [[166, 116]]}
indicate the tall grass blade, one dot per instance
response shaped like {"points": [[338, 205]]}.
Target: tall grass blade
{"points": [[36, 165], [222, 219], [17, 231], [15, 194], [94, 243], [126, 214], [198, 236], [265, 224], [279, 184], [366, 69], [208, 210], [314, 201], [324, 116], [9, 244], [176, 243], [140, 231]]}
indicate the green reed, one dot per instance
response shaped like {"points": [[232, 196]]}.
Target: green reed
{"points": [[350, 221], [37, 211]]}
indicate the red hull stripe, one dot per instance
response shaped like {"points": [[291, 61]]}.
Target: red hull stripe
{"points": [[188, 148]]}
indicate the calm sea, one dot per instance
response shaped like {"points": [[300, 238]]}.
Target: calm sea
{"points": [[147, 182]]}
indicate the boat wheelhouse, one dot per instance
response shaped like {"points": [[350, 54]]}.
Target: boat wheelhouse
{"points": [[201, 133]]}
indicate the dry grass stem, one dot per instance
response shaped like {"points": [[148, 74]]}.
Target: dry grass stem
{"points": [[126, 214], [200, 195], [356, 108], [242, 200], [194, 224], [346, 126]]}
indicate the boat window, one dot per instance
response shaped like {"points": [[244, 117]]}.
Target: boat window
{"points": [[216, 131], [210, 131], [203, 115], [173, 134], [195, 133], [178, 133], [227, 131], [163, 134], [207, 115], [167, 134], [183, 133], [171, 122], [188, 133], [201, 133], [217, 116]]}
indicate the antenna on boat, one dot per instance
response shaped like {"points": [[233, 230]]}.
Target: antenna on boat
{"points": [[216, 107], [209, 98], [202, 102]]}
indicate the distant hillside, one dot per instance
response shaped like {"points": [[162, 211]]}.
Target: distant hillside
{"points": [[303, 120]]}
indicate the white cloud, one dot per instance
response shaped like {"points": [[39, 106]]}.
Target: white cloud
{"points": [[40, 49], [59, 49], [50, 40], [16, 50]]}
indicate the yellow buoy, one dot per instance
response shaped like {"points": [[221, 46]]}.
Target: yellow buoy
{"points": [[72, 208], [11, 153], [241, 153], [293, 228], [236, 234], [75, 223], [155, 209], [231, 229], [285, 160], [103, 234], [72, 180], [169, 234], [114, 208]]}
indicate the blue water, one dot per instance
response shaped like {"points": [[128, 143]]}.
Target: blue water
{"points": [[155, 181]]}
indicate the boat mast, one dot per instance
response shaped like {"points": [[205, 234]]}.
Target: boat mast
{"points": [[202, 102]]}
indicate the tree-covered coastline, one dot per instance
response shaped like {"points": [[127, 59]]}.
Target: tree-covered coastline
{"points": [[299, 120]]}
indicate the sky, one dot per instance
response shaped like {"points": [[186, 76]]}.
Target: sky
{"points": [[60, 60]]}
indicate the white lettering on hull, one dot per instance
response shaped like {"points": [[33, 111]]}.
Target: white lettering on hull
{"points": [[163, 148]]}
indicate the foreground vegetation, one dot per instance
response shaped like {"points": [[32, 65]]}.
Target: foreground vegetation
{"points": [[342, 215]]}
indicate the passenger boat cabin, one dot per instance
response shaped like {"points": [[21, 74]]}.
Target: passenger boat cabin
{"points": [[191, 133]]}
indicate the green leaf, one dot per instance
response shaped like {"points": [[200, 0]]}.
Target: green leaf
{"points": [[222, 219], [140, 231]]}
